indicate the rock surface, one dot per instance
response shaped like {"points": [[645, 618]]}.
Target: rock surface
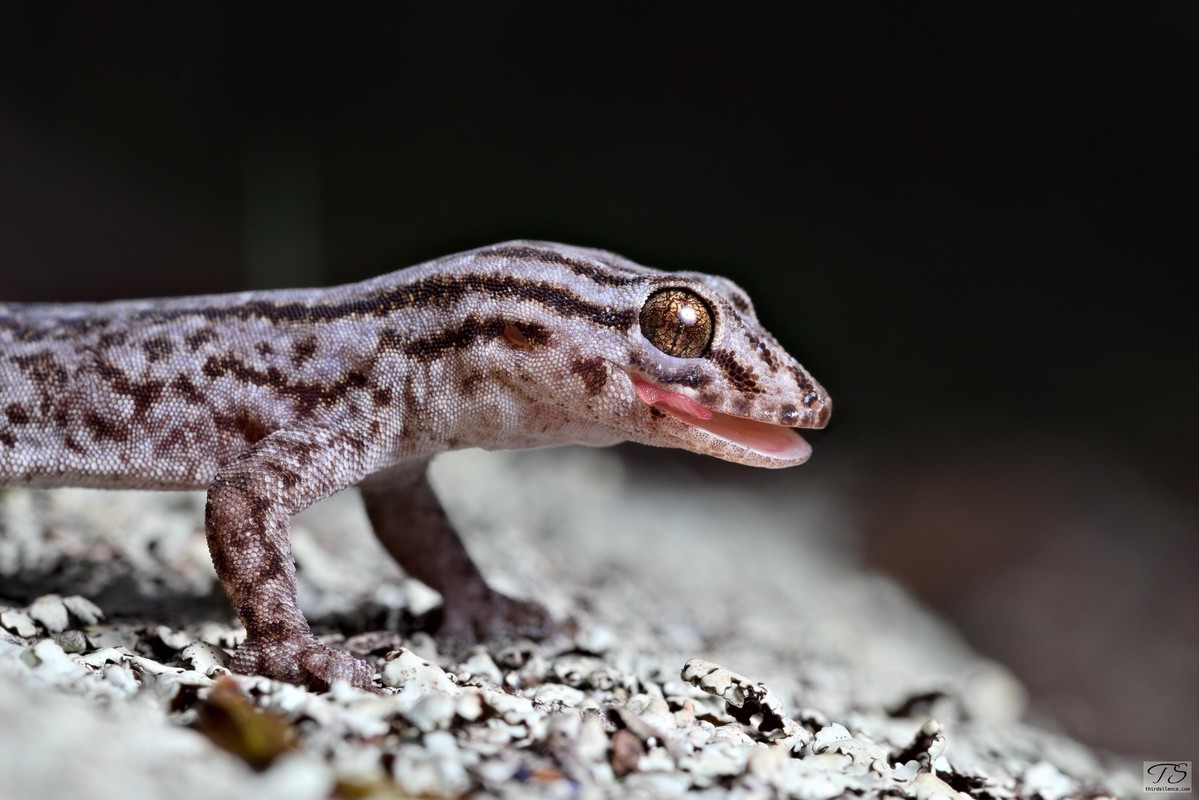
{"points": [[722, 645]]}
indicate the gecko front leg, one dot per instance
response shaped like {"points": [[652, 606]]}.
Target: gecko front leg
{"points": [[247, 518], [412, 526]]}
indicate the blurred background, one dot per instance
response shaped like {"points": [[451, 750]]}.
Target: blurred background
{"points": [[972, 225]]}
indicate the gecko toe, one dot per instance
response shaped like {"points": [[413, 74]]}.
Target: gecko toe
{"points": [[495, 616], [303, 660]]}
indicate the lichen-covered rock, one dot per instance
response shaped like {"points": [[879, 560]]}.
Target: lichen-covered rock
{"points": [[853, 692]]}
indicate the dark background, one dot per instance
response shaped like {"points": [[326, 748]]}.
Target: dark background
{"points": [[973, 226]]}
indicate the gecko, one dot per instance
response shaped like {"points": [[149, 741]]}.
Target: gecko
{"points": [[274, 400]]}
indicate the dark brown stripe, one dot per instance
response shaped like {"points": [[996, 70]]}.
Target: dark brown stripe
{"points": [[435, 290], [471, 329], [306, 394], [805, 385], [601, 275]]}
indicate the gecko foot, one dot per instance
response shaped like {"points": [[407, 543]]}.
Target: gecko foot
{"points": [[467, 621], [302, 659]]}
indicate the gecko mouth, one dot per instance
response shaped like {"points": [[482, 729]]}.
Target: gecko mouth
{"points": [[776, 442]]}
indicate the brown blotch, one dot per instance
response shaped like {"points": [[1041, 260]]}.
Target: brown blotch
{"points": [[16, 414], [72, 444], [470, 383], [382, 397], [198, 339], [42, 369], [104, 428], [302, 350], [264, 349], [788, 414], [184, 387], [144, 394], [594, 373], [8, 439], [244, 422], [158, 348], [390, 339]]}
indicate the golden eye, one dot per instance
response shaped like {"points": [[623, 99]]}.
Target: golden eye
{"points": [[678, 322]]}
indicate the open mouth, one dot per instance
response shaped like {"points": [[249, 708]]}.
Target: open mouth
{"points": [[773, 441]]}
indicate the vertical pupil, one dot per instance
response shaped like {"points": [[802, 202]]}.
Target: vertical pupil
{"points": [[677, 322]]}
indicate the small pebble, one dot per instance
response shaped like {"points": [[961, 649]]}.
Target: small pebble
{"points": [[19, 623], [84, 610], [72, 641]]}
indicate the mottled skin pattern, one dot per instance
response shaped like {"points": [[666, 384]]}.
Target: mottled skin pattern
{"points": [[274, 400]]}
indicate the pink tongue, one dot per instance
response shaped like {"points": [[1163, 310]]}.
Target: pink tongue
{"points": [[772, 440], [653, 395]]}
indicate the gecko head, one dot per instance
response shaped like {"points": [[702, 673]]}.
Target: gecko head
{"points": [[601, 350], [705, 376]]}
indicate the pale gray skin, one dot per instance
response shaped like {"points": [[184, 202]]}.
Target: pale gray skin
{"points": [[274, 400]]}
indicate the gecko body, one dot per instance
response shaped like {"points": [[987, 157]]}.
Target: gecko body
{"points": [[274, 400]]}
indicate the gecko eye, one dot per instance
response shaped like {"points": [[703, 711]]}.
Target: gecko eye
{"points": [[678, 322]]}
